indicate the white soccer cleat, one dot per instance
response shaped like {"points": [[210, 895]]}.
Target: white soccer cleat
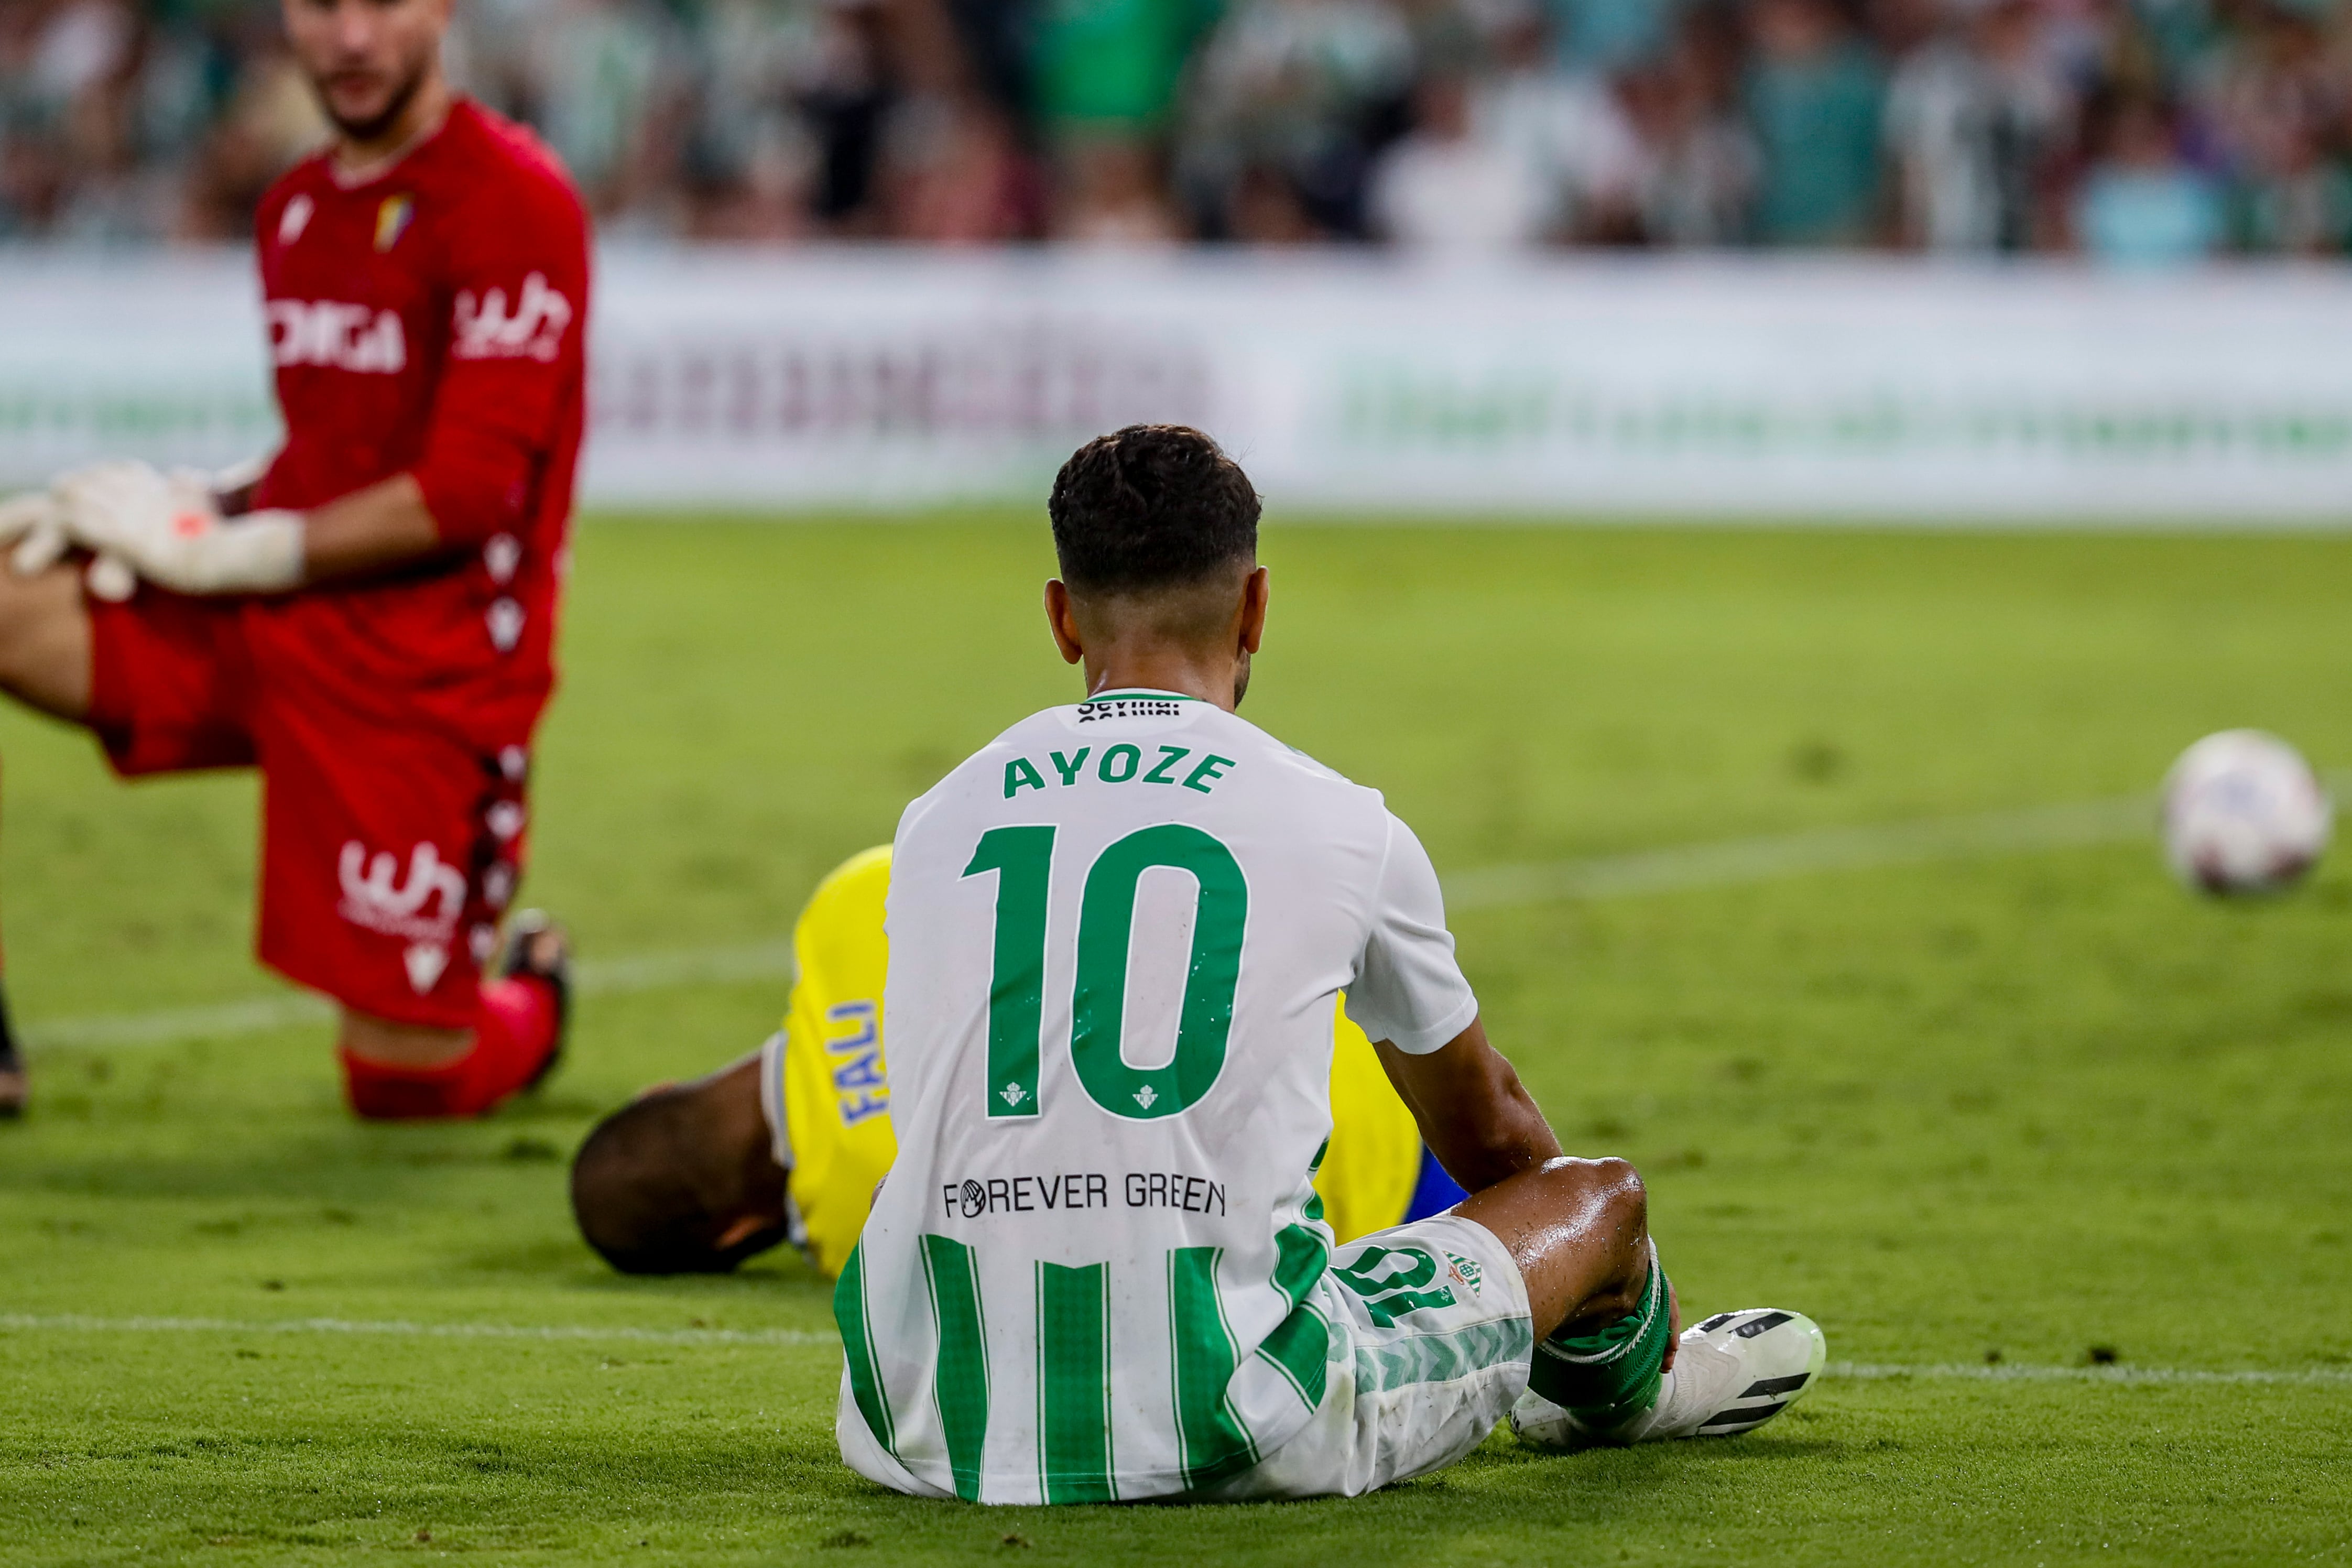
{"points": [[1732, 1373]]}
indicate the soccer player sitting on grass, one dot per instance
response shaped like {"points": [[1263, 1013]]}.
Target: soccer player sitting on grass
{"points": [[788, 1144], [1098, 1269], [371, 619]]}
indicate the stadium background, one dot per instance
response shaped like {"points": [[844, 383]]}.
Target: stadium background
{"points": [[1810, 867], [1957, 259], [2143, 132]]}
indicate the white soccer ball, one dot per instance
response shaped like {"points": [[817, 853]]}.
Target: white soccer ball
{"points": [[2243, 813]]}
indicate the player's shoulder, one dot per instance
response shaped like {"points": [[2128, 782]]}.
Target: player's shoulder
{"points": [[502, 162], [1293, 767], [1283, 754], [305, 179]]}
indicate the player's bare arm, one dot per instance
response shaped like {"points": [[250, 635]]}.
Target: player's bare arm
{"points": [[44, 641], [1472, 1110], [175, 532], [385, 525], [1578, 1228]]}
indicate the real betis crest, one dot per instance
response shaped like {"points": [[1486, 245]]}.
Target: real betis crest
{"points": [[1467, 1272]]}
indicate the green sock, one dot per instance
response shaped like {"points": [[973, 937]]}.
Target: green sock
{"points": [[1608, 1376]]}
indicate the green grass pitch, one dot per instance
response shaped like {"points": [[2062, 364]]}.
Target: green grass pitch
{"points": [[1978, 1116]]}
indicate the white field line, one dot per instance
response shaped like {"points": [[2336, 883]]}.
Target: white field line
{"points": [[1718, 864], [1727, 862], [79, 1323], [609, 977], [2332, 1377], [76, 1324]]}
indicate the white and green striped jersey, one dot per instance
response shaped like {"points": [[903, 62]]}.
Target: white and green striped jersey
{"points": [[1116, 936]]}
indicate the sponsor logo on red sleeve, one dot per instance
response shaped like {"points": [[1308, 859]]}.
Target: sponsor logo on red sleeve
{"points": [[485, 328]]}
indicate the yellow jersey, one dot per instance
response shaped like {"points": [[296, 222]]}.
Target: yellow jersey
{"points": [[826, 1089]]}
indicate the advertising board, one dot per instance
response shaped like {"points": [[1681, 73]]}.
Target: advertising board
{"points": [[1731, 387]]}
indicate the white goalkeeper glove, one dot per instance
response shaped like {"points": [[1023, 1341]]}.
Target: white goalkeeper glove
{"points": [[29, 520], [170, 531], [34, 525]]}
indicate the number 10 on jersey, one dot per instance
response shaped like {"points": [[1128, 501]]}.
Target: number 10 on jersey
{"points": [[1023, 859]]}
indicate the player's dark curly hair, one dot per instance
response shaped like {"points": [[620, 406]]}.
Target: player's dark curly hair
{"points": [[1151, 506]]}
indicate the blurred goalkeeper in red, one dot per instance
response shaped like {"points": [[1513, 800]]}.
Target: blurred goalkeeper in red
{"points": [[371, 619]]}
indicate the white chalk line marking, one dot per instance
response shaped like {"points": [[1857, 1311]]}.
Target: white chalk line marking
{"points": [[1729, 862], [1868, 1372], [1720, 863], [609, 977], [77, 1323]]}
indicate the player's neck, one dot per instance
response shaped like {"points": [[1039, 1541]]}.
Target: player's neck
{"points": [[1162, 669], [358, 160]]}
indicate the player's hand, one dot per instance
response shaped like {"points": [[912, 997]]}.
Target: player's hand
{"points": [[170, 532], [34, 525]]}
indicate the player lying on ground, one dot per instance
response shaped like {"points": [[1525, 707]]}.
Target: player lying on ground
{"points": [[1117, 937], [788, 1144], [370, 621]]}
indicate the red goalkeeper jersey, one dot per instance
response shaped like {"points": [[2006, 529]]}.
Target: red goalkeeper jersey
{"points": [[430, 320]]}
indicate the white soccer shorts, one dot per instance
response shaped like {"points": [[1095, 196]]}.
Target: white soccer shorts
{"points": [[1429, 1348]]}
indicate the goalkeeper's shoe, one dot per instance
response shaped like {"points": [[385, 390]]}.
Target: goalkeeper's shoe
{"points": [[538, 947], [1731, 1374]]}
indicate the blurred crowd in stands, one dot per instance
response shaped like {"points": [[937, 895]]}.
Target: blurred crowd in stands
{"points": [[2142, 132]]}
